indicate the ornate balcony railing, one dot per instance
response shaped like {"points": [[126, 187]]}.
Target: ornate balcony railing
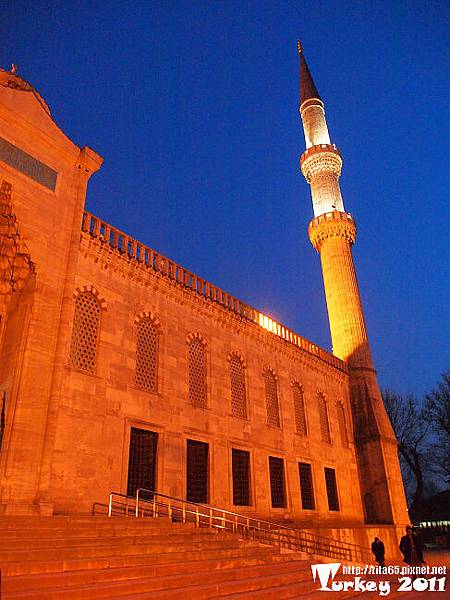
{"points": [[155, 262]]}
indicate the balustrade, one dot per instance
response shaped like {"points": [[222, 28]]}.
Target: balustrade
{"points": [[134, 250]]}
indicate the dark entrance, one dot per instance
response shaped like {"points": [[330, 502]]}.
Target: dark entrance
{"points": [[142, 461], [197, 472]]}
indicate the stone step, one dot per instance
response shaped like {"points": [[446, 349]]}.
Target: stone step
{"points": [[58, 565], [65, 523], [191, 585], [94, 576], [123, 539], [286, 591], [42, 554], [222, 589], [99, 558]]}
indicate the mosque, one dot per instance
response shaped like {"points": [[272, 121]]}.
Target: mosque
{"points": [[120, 369]]}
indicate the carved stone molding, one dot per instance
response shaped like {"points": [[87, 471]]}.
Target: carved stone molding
{"points": [[324, 157], [331, 225], [122, 266], [94, 291], [147, 315], [15, 261]]}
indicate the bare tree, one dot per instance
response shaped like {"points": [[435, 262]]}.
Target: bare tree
{"points": [[411, 430], [437, 414]]}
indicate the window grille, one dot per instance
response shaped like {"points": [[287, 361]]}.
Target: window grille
{"points": [[306, 486], [197, 373], [142, 461], [299, 409], [342, 424], [238, 394], [197, 472], [273, 410], [277, 487], [323, 416], [330, 480], [241, 477], [147, 355], [86, 325]]}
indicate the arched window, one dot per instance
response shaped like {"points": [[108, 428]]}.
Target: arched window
{"points": [[323, 416], [237, 384], [273, 410], [197, 372], [86, 326], [299, 409], [146, 375], [342, 425]]}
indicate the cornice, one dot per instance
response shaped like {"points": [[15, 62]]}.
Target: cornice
{"points": [[319, 159], [331, 225], [126, 267]]}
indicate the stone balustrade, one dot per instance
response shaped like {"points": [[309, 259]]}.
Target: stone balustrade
{"points": [[158, 263], [334, 215]]}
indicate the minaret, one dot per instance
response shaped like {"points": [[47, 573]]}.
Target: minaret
{"points": [[332, 232]]}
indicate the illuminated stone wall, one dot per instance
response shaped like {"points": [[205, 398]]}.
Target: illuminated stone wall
{"points": [[69, 377]]}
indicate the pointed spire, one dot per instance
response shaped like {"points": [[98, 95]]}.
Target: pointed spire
{"points": [[308, 89]]}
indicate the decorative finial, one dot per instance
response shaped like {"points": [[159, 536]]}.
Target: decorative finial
{"points": [[14, 69], [299, 47]]}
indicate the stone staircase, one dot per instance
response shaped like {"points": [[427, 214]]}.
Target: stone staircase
{"points": [[100, 557], [76, 558]]}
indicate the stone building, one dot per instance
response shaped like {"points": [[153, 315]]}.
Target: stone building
{"points": [[121, 369]]}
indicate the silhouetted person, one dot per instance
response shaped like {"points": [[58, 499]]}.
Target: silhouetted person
{"points": [[410, 548], [378, 551]]}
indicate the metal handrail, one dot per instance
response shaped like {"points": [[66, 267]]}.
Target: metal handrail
{"points": [[203, 515]]}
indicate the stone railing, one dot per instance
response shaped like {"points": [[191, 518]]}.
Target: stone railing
{"points": [[152, 260], [334, 215]]}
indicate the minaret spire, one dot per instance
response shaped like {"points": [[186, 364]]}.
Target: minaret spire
{"points": [[332, 232], [321, 163], [308, 88]]}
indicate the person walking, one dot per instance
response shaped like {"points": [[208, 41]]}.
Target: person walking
{"points": [[378, 551], [411, 549]]}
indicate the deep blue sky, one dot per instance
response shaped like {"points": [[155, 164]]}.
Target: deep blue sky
{"points": [[194, 106]]}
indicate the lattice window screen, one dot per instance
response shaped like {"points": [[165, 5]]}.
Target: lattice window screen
{"points": [[238, 395], [241, 477], [306, 486], [273, 410], [299, 409], [147, 355], [342, 424], [330, 481], [142, 461], [86, 325], [197, 373], [197, 471], [323, 416], [277, 484]]}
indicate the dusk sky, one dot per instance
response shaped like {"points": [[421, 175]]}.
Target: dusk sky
{"points": [[194, 107]]}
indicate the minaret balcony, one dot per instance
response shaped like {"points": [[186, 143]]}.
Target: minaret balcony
{"points": [[320, 158], [331, 225]]}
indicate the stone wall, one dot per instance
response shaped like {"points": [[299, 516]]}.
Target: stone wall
{"points": [[67, 431], [97, 410]]}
